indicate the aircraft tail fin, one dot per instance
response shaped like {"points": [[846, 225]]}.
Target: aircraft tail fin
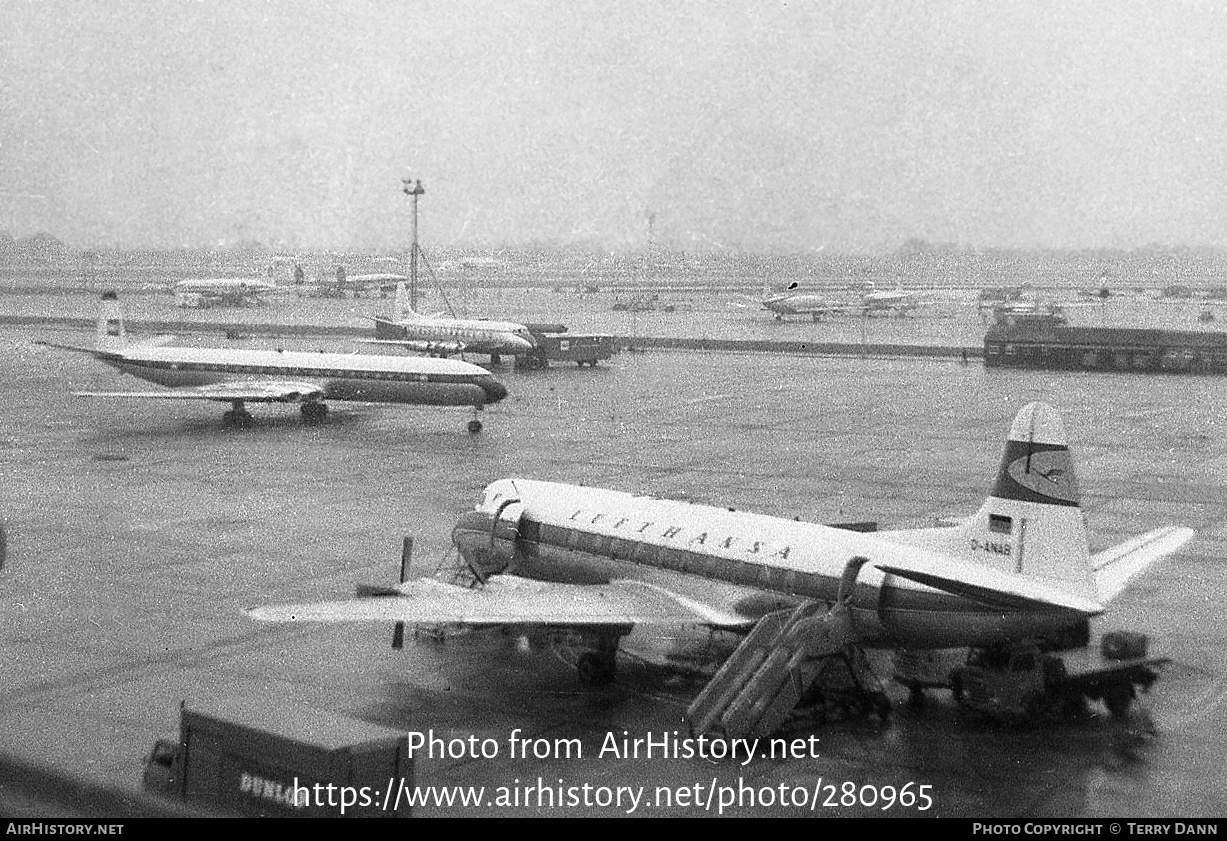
{"points": [[1032, 522], [111, 333]]}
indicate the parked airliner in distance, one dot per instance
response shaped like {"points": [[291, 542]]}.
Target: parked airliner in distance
{"points": [[599, 562], [816, 305], [240, 376], [469, 264], [898, 301], [353, 286], [442, 336], [222, 291]]}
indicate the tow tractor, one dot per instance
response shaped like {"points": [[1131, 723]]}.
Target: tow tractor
{"points": [[1025, 682]]}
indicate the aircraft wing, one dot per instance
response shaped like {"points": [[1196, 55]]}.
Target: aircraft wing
{"points": [[258, 391], [1116, 567], [418, 345], [989, 586], [152, 341], [507, 600], [824, 309]]}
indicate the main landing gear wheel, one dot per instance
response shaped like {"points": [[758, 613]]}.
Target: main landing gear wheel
{"points": [[474, 426], [237, 419], [956, 686], [1117, 699], [596, 669], [313, 413]]}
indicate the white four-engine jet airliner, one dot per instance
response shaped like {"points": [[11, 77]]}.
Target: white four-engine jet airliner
{"points": [[598, 562], [238, 377], [443, 336]]}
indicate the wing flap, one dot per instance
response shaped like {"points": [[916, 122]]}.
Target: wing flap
{"points": [[259, 391], [1116, 567], [420, 345], [506, 600]]}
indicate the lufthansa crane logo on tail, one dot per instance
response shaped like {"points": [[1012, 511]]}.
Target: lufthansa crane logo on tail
{"points": [[1047, 473]]}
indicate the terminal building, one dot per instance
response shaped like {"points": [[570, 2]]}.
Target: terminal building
{"points": [[1048, 341]]}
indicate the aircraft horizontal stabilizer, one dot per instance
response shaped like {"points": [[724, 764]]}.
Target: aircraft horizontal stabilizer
{"points": [[1116, 567], [991, 586], [248, 392], [506, 600]]}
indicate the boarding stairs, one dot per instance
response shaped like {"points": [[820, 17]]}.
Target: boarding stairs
{"points": [[766, 677], [785, 663]]}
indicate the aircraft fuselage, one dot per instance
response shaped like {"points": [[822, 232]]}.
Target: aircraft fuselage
{"points": [[376, 379], [477, 336], [752, 563]]}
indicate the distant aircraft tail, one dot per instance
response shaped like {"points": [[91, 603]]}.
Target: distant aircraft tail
{"points": [[403, 307], [111, 333]]}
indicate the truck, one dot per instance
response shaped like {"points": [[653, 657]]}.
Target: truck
{"points": [[1025, 682], [255, 759], [555, 344]]}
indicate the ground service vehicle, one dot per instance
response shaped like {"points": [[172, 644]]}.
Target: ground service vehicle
{"points": [[262, 760], [558, 346], [1027, 683]]}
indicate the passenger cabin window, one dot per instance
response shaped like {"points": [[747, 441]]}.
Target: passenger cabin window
{"points": [[556, 535], [747, 573], [646, 553]]}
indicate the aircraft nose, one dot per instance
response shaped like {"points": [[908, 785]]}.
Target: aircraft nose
{"points": [[471, 529], [483, 542], [495, 390]]}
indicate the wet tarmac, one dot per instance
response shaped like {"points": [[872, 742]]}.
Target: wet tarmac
{"points": [[139, 531]]}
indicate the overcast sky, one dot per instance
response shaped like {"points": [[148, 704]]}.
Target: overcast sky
{"points": [[848, 125]]}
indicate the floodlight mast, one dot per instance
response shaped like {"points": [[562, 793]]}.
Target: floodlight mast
{"points": [[413, 188]]}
